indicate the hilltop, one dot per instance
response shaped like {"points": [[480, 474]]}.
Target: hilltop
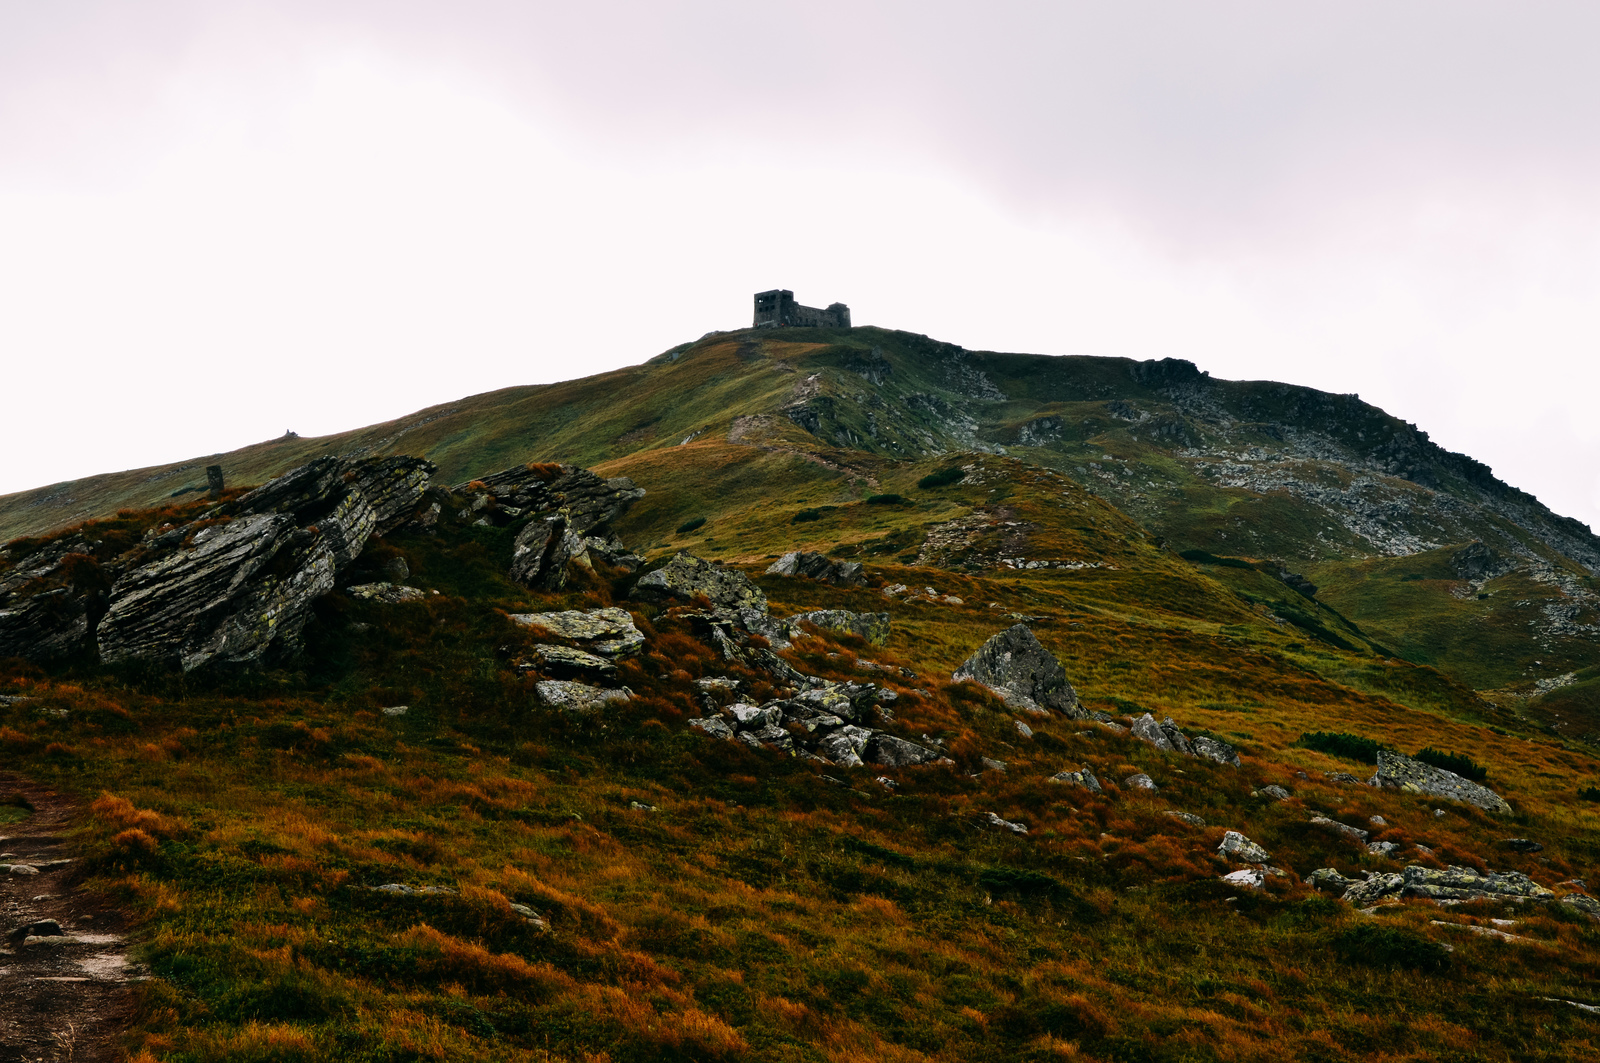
{"points": [[824, 694]]}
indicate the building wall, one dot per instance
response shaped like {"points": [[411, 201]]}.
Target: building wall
{"points": [[777, 308]]}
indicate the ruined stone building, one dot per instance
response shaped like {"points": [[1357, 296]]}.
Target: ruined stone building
{"points": [[778, 308]]}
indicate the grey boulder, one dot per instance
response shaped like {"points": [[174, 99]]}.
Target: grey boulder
{"points": [[1414, 777], [1237, 847], [687, 577], [1021, 671], [817, 567]]}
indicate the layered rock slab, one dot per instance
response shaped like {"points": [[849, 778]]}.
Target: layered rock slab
{"points": [[1413, 776]]}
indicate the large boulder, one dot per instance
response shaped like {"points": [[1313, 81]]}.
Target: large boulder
{"points": [[1450, 884], [1414, 777], [1015, 666], [817, 567], [238, 586], [874, 627], [610, 632], [687, 577]]}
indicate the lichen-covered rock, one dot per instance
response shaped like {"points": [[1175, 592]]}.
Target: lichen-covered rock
{"points": [[1237, 847], [874, 627], [610, 632], [1466, 884], [543, 549], [1176, 737], [590, 502], [1082, 777], [1246, 878], [989, 819], [1186, 817], [892, 752], [713, 726], [566, 662], [387, 593], [1217, 750], [1375, 888], [817, 567], [579, 697], [1015, 666], [845, 746], [1413, 776], [1582, 903], [1146, 729], [51, 600], [1140, 781], [686, 577], [1382, 848], [1354, 833], [1274, 791]]}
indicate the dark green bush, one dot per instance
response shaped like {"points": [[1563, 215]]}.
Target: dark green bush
{"points": [[1388, 946], [691, 525], [1339, 744], [1589, 793], [1201, 557], [942, 478], [805, 515], [1459, 763], [887, 500]]}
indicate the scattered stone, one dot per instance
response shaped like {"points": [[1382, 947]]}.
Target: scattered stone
{"points": [[1016, 667], [1450, 885], [1413, 776], [717, 682], [531, 916], [1348, 831], [578, 697], [1237, 847], [640, 806], [1522, 845], [1483, 931], [685, 577], [1438, 813], [1342, 777], [995, 821], [1023, 729], [568, 663], [1214, 749], [713, 726], [1382, 848], [386, 593], [1249, 878], [1272, 790], [42, 928], [1582, 903], [1141, 781], [1186, 817], [395, 710], [1377, 821], [568, 512], [817, 567], [1082, 777], [894, 589], [611, 631], [992, 765], [1146, 729], [892, 752], [19, 869], [1423, 849]]}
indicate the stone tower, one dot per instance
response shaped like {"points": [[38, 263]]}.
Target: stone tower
{"points": [[777, 308]]}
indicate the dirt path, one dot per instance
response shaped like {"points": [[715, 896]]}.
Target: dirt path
{"points": [[64, 988]]}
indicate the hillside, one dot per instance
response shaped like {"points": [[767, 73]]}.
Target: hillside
{"points": [[1118, 631]]}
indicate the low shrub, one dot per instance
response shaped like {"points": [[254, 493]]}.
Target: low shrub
{"points": [[691, 525], [1340, 744], [1459, 763], [806, 515], [943, 478], [1202, 557], [1589, 793], [1388, 946], [887, 500]]}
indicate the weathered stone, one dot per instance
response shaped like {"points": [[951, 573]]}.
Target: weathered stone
{"points": [[1215, 749], [1023, 729], [542, 551], [569, 663], [40, 928], [1348, 831], [610, 631], [713, 726], [1274, 791], [400, 889], [1140, 781], [1341, 776], [989, 819], [395, 710], [52, 600], [992, 765], [589, 502], [1375, 888], [387, 593], [845, 746], [1522, 845], [1579, 902], [1082, 777], [1413, 776], [874, 627], [1246, 878], [1237, 847], [1176, 737], [1186, 817], [1027, 676], [1382, 848], [578, 697], [1466, 884], [1329, 881], [892, 752], [1147, 729], [686, 577], [397, 570], [817, 567]]}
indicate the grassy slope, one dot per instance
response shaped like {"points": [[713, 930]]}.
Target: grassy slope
{"points": [[764, 912]]}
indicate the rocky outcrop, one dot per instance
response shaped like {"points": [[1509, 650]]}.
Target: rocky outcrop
{"points": [[579, 697], [1355, 834], [1450, 884], [1082, 777], [874, 627], [1414, 777], [687, 577], [238, 586], [1026, 675], [1236, 846], [568, 513], [817, 567], [51, 600], [610, 632], [831, 723], [1169, 738]]}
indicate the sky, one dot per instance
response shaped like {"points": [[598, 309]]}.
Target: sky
{"points": [[223, 220]]}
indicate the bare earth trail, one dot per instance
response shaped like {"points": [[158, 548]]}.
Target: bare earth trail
{"points": [[64, 972]]}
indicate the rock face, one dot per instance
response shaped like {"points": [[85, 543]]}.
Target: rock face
{"points": [[1414, 777], [685, 577], [1015, 666], [51, 600], [238, 586], [568, 511], [817, 567], [1450, 884]]}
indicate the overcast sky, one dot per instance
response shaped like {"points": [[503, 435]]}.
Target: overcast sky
{"points": [[222, 220]]}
